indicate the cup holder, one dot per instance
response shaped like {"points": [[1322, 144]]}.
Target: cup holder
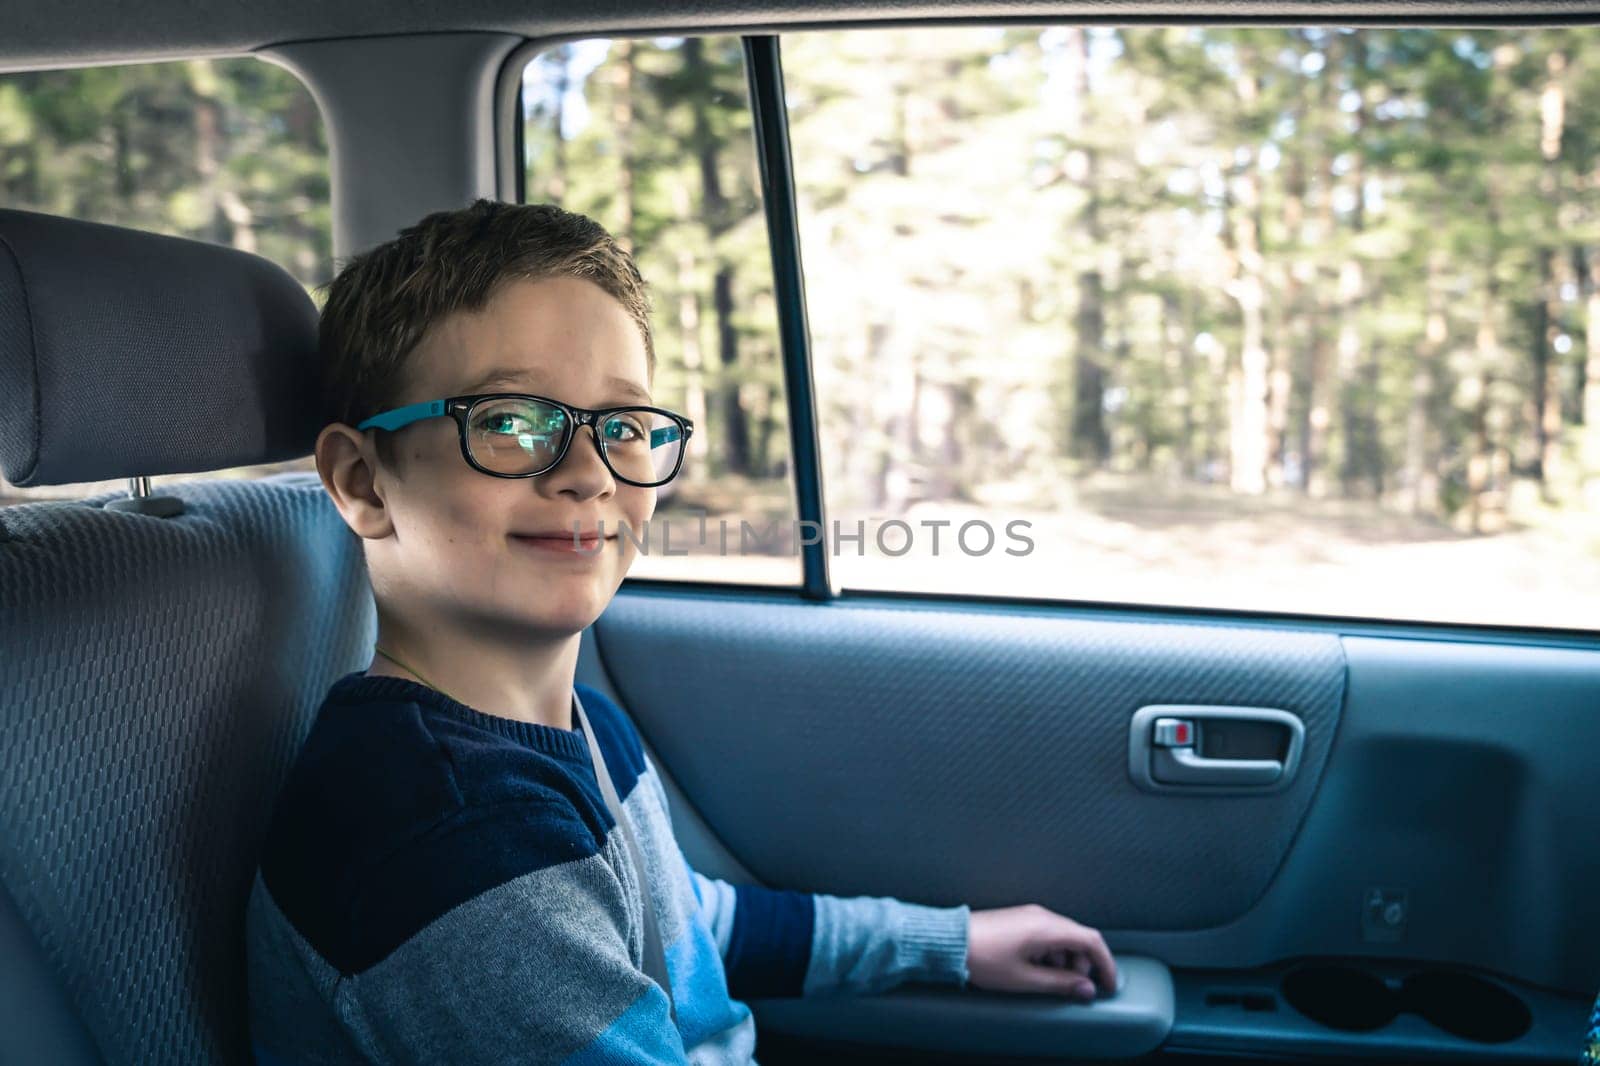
{"points": [[1467, 1006], [1354, 1000], [1341, 997]]}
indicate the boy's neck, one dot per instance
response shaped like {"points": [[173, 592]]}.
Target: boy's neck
{"points": [[531, 683]]}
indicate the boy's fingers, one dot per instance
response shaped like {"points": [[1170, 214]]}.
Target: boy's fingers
{"points": [[1080, 952], [1066, 983], [1090, 944]]}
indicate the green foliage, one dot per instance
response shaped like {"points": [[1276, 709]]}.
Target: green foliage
{"points": [[231, 151], [1027, 250]]}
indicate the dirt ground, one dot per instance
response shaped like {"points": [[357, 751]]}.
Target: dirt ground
{"points": [[1124, 540], [1143, 543]]}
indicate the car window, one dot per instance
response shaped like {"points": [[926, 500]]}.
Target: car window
{"points": [[1288, 319], [652, 137], [230, 150]]}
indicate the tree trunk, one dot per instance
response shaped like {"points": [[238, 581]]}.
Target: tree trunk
{"points": [[1249, 425], [689, 338], [1090, 441], [123, 160], [1087, 439], [558, 180], [1590, 446], [735, 423], [1547, 363], [622, 125], [1481, 514], [882, 435], [714, 212], [1546, 398], [1487, 463], [1280, 377], [1421, 484], [1352, 370], [1178, 332], [1297, 334], [1321, 395], [233, 222]]}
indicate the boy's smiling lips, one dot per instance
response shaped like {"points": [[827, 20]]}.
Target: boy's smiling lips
{"points": [[585, 540]]}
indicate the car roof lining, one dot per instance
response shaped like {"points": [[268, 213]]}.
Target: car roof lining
{"points": [[95, 32]]}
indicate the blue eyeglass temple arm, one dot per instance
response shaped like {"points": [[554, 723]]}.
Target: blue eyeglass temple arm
{"points": [[404, 416], [401, 417]]}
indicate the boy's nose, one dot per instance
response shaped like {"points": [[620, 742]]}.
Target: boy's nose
{"points": [[582, 471]]}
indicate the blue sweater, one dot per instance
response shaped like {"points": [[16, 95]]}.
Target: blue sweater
{"points": [[442, 885]]}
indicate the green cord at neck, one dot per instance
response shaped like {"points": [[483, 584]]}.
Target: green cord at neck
{"points": [[412, 670]]}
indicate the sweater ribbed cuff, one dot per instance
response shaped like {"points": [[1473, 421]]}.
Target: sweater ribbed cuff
{"points": [[933, 942]]}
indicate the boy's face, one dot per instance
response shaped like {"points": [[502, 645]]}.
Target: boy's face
{"points": [[454, 555]]}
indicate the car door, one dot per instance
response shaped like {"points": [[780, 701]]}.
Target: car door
{"points": [[1245, 641]]}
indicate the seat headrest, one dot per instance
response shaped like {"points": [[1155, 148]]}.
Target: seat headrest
{"points": [[127, 354]]}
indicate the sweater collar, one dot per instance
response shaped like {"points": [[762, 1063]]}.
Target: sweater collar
{"points": [[358, 687]]}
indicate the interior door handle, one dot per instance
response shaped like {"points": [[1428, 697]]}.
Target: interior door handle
{"points": [[1185, 766], [1167, 748]]}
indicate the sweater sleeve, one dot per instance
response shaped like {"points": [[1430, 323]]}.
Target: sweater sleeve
{"points": [[540, 968], [778, 942]]}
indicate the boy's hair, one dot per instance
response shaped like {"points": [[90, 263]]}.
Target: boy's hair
{"points": [[384, 301]]}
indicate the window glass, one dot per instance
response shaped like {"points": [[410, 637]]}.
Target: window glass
{"points": [[653, 138], [231, 151], [1289, 319]]}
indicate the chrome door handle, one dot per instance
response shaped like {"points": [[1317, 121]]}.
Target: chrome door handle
{"points": [[1184, 766], [1166, 749]]}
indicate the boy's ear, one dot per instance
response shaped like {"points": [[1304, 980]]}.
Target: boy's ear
{"points": [[347, 463]]}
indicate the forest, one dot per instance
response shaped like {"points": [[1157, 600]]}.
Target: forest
{"points": [[1281, 317], [1353, 263], [1297, 271]]}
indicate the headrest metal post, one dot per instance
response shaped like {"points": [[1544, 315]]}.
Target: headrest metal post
{"points": [[139, 501]]}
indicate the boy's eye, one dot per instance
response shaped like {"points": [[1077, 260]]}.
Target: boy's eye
{"points": [[624, 429], [516, 421], [504, 423]]}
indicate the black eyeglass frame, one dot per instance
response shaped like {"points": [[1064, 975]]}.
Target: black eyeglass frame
{"points": [[460, 408]]}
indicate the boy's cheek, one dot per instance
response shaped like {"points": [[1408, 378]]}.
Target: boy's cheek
{"points": [[643, 505]]}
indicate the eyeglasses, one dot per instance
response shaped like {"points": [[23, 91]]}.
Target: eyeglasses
{"points": [[513, 434]]}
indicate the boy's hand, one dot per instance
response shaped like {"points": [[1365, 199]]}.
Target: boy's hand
{"points": [[1030, 948]]}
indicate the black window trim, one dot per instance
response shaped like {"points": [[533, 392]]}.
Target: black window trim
{"points": [[770, 118]]}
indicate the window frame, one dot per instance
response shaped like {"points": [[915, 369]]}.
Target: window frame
{"points": [[819, 582]]}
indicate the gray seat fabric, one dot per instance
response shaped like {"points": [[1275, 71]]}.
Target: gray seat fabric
{"points": [[160, 676], [159, 673], [37, 1023]]}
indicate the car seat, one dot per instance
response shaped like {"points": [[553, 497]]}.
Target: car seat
{"points": [[161, 656]]}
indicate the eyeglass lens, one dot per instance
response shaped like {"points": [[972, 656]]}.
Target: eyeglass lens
{"points": [[525, 436]]}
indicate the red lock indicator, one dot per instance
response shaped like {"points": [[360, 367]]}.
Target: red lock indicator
{"points": [[1173, 733]]}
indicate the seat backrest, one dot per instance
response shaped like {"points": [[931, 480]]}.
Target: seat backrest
{"points": [[157, 674]]}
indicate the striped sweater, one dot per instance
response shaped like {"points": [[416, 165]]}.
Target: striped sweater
{"points": [[442, 885]]}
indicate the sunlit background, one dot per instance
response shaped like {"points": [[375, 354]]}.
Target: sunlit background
{"points": [[1290, 319]]}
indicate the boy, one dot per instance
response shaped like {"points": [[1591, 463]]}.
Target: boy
{"points": [[442, 879]]}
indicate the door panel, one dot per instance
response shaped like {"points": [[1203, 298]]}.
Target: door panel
{"points": [[985, 751], [949, 752]]}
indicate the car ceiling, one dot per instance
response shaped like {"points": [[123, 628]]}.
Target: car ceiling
{"points": [[37, 36]]}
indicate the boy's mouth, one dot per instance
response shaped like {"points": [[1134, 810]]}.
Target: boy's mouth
{"points": [[563, 540]]}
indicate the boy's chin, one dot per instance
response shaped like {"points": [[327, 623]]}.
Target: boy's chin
{"points": [[566, 617]]}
